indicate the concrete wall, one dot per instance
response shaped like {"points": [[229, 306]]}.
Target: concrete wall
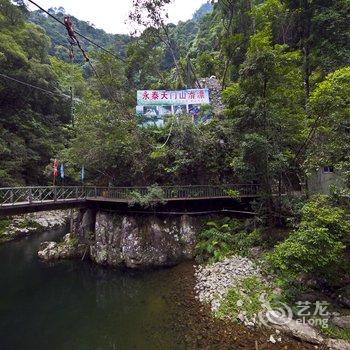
{"points": [[323, 179]]}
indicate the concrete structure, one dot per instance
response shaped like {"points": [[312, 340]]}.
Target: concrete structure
{"points": [[322, 180]]}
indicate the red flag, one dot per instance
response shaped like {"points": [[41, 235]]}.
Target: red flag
{"points": [[55, 168]]}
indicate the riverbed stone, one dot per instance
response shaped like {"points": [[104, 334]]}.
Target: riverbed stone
{"points": [[343, 296], [272, 339], [24, 225], [296, 329], [214, 281], [337, 344], [67, 249], [341, 321]]}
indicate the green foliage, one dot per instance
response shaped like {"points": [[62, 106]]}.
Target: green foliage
{"points": [[233, 194], [216, 240], [221, 238], [30, 120], [319, 212], [206, 65], [154, 195], [329, 104], [309, 250], [315, 248], [244, 240], [336, 333], [245, 296], [4, 224]]}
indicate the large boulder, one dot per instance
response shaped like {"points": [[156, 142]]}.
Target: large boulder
{"points": [[294, 328], [67, 249], [142, 241], [83, 223], [341, 322], [343, 296]]}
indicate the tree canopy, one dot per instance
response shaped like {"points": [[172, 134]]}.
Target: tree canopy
{"points": [[285, 78]]}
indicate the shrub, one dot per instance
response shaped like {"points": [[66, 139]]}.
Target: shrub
{"points": [[215, 240], [234, 194], [154, 196], [243, 241], [316, 247], [320, 213], [308, 250], [219, 239], [4, 224], [334, 332]]}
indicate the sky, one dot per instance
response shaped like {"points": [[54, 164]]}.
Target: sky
{"points": [[111, 15]]}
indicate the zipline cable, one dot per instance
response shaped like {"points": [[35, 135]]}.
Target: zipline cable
{"points": [[75, 41], [72, 105], [34, 87], [81, 35]]}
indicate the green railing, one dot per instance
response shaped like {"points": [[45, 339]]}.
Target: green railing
{"points": [[36, 195]]}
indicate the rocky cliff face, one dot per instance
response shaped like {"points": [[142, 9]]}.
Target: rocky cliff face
{"points": [[215, 91], [134, 241], [142, 241]]}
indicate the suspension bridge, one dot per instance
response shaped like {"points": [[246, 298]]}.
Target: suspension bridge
{"points": [[30, 199]]}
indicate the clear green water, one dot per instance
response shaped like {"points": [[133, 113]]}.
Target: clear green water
{"points": [[77, 305]]}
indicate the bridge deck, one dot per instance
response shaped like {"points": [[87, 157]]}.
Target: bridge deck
{"points": [[54, 197]]}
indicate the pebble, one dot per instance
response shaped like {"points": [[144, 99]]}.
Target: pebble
{"points": [[272, 339], [214, 281], [45, 220]]}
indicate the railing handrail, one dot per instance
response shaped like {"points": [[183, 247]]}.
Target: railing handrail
{"points": [[38, 187], [126, 187], [41, 194]]}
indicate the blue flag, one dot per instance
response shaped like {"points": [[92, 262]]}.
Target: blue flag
{"points": [[82, 173], [62, 171]]}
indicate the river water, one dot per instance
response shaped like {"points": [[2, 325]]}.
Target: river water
{"points": [[78, 305]]}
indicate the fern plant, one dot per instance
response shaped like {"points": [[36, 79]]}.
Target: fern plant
{"points": [[215, 241]]}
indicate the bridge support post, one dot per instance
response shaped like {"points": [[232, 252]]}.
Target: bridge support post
{"points": [[30, 196]]}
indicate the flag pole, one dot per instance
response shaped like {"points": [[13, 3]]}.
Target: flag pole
{"points": [[55, 172]]}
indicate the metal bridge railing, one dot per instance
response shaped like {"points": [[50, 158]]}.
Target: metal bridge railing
{"points": [[174, 192], [37, 195]]}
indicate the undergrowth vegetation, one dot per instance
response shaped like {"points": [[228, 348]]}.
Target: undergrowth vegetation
{"points": [[224, 237], [316, 249], [154, 195], [4, 224], [249, 295]]}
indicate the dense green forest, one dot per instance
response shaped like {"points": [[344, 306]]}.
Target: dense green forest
{"points": [[284, 66]]}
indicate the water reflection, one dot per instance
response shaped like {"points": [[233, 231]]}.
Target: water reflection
{"points": [[78, 305]]}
